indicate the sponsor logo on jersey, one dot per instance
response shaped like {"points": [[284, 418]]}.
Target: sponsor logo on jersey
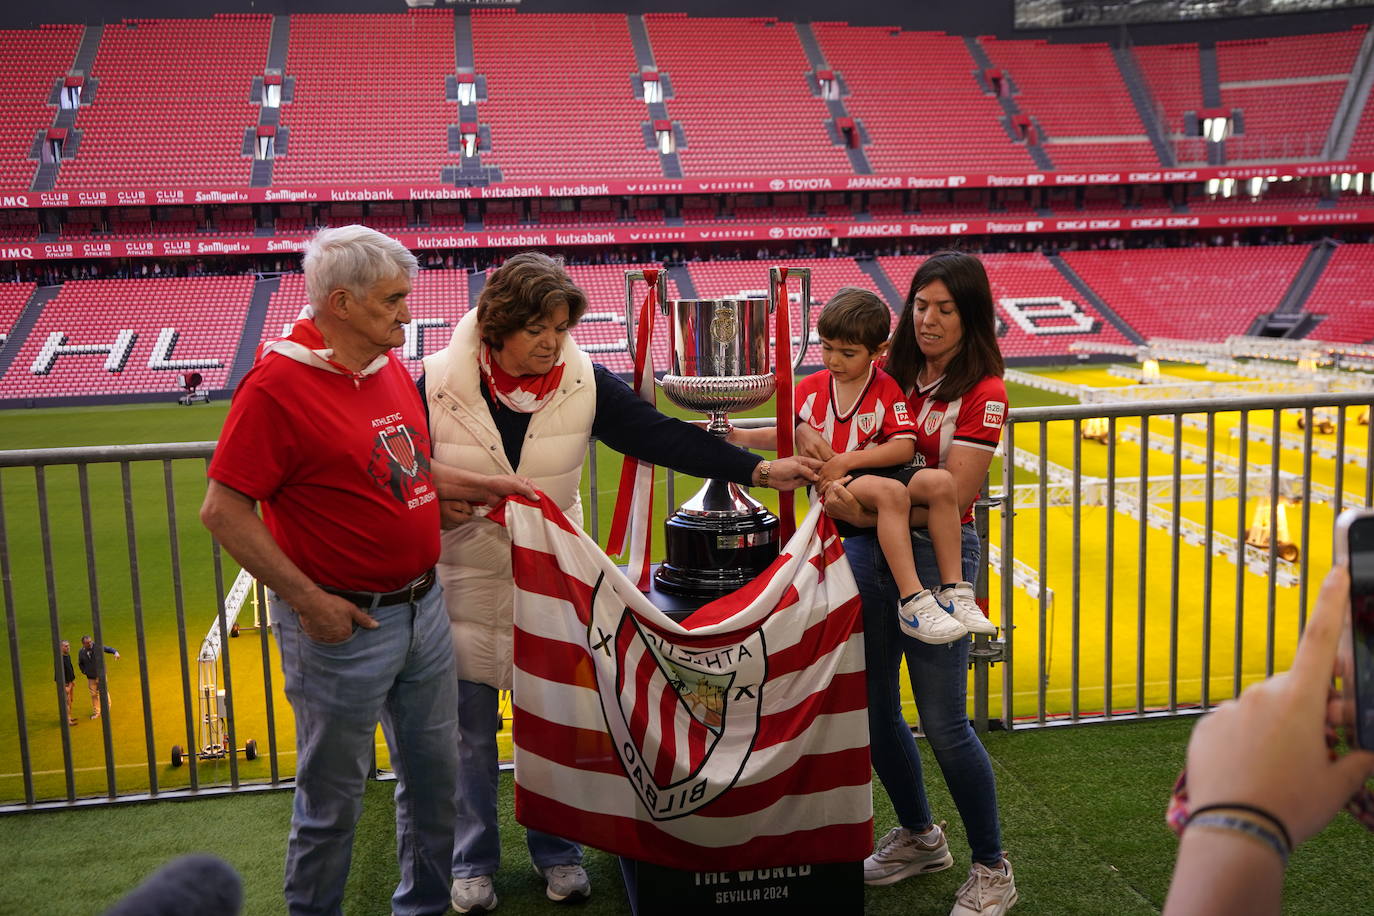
{"points": [[901, 413], [994, 412]]}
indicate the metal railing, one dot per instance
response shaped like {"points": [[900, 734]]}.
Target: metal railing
{"points": [[1164, 607]]}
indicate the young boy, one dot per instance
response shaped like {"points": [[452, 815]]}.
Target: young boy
{"points": [[861, 412]]}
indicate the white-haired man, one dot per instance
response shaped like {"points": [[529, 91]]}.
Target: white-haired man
{"points": [[328, 433]]}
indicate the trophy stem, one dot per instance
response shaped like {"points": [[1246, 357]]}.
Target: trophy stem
{"points": [[718, 425]]}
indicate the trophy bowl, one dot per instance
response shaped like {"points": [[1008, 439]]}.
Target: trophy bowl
{"points": [[720, 349]]}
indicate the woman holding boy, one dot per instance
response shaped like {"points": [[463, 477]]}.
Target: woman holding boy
{"points": [[944, 355]]}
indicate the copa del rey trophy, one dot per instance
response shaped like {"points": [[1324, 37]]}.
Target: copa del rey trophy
{"points": [[722, 537]]}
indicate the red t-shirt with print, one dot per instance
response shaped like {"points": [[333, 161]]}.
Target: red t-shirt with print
{"points": [[341, 466]]}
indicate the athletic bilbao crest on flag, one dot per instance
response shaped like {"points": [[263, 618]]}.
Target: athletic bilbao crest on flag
{"points": [[737, 735], [672, 708]]}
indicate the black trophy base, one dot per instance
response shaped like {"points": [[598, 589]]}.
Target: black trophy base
{"points": [[657, 891], [707, 557]]}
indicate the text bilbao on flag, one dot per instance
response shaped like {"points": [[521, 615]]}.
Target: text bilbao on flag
{"points": [[741, 736]]}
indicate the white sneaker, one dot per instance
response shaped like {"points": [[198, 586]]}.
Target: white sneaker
{"points": [[987, 892], [566, 883], [966, 610], [903, 853], [473, 895], [922, 616]]}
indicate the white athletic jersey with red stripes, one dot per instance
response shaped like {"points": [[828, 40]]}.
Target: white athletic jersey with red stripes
{"points": [[974, 420], [878, 415]]}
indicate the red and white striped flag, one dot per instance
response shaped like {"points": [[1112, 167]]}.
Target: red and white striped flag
{"points": [[740, 735]]}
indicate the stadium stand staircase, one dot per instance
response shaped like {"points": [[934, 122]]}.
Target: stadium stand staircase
{"points": [[261, 176], [858, 160], [476, 280], [15, 339], [658, 111], [1008, 103], [45, 178], [252, 330], [1286, 319], [1094, 299], [1353, 102], [883, 284], [679, 275], [1144, 104], [1211, 95], [470, 170]]}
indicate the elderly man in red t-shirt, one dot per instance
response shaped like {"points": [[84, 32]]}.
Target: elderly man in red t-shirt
{"points": [[328, 433]]}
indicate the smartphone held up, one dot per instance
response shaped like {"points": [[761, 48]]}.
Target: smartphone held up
{"points": [[1354, 548]]}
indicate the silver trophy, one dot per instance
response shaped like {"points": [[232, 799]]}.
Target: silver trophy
{"points": [[721, 362]]}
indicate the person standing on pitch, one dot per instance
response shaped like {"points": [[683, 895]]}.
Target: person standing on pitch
{"points": [[68, 681], [862, 415], [91, 665], [328, 434]]}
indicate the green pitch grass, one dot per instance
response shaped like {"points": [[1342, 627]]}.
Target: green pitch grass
{"points": [[1081, 808]]}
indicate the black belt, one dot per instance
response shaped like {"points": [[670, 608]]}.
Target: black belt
{"points": [[407, 594]]}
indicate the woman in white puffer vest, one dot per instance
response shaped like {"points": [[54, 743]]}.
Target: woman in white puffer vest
{"points": [[512, 393]]}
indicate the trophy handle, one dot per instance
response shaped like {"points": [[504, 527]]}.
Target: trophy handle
{"points": [[774, 295], [630, 277]]}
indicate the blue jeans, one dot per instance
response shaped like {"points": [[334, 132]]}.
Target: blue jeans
{"points": [[402, 674], [939, 682], [477, 839]]}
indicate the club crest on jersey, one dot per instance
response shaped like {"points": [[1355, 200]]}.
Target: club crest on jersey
{"points": [[683, 718], [400, 465], [398, 444], [867, 423], [933, 421], [994, 412]]}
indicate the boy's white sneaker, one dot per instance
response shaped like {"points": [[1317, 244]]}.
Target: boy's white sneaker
{"points": [[922, 616], [964, 608]]}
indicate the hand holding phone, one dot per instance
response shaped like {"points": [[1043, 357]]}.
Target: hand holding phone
{"points": [[1354, 549]]}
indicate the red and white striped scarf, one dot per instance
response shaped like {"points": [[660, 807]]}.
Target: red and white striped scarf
{"points": [[525, 393]]}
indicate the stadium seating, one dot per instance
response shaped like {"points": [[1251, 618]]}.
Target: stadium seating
{"points": [[916, 96], [206, 315], [1077, 96], [32, 62], [1285, 120], [601, 332], [560, 96], [1173, 74], [173, 103], [1020, 276], [369, 98], [13, 298], [741, 96], [1199, 293], [437, 300], [1343, 294]]}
